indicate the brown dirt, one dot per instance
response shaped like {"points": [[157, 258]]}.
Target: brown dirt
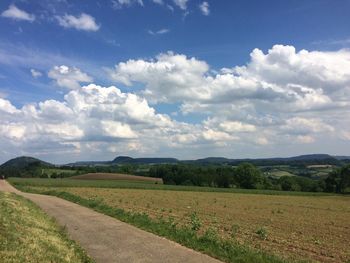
{"points": [[298, 227], [116, 176]]}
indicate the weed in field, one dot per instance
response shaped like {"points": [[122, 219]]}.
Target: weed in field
{"points": [[234, 230], [211, 234], [195, 222], [262, 233], [316, 241]]}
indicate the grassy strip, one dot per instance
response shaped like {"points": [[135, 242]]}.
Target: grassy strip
{"points": [[209, 243], [20, 182], [27, 234]]}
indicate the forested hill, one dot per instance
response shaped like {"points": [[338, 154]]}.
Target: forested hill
{"points": [[24, 162]]}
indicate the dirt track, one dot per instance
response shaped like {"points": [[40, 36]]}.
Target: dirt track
{"points": [[109, 240]]}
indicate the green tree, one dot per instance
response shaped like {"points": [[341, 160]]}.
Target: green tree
{"points": [[338, 180], [248, 176]]}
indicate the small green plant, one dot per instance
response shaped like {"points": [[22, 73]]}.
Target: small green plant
{"points": [[195, 222], [211, 234], [234, 230], [262, 233]]}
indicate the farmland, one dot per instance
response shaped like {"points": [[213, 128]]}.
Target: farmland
{"points": [[28, 235], [284, 225], [117, 176]]}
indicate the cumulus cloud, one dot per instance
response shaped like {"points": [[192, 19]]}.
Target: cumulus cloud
{"points": [[35, 73], [82, 22], [300, 81], [68, 77], [118, 4], [89, 115], [280, 95], [15, 13], [182, 4], [279, 98], [170, 78], [204, 8]]}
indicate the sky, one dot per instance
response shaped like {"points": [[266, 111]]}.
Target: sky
{"points": [[91, 80]]}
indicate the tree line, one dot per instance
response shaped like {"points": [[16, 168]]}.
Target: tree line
{"points": [[248, 176], [245, 175]]}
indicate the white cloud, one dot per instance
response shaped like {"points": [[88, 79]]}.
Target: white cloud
{"points": [[305, 139], [117, 129], [13, 131], [298, 125], [118, 4], [159, 2], [236, 126], [35, 73], [212, 135], [159, 32], [7, 107], [171, 78], [280, 100], [182, 4], [68, 77], [300, 81], [91, 115], [83, 22], [204, 7], [15, 13]]}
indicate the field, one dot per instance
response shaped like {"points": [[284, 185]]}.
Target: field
{"points": [[28, 235], [116, 176], [51, 171], [280, 173], [295, 227], [25, 182]]}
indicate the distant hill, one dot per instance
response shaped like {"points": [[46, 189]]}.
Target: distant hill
{"points": [[338, 157], [23, 166], [308, 159], [24, 162], [296, 160], [125, 159]]}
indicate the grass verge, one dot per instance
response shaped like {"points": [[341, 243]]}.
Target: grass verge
{"points": [[208, 243], [27, 234]]}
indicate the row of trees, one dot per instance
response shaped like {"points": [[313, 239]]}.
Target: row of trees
{"points": [[248, 176], [245, 175]]}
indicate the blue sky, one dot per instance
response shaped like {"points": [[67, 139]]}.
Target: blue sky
{"points": [[225, 78]]}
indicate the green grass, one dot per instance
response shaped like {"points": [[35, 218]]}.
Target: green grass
{"points": [[50, 171], [23, 182], [27, 234], [280, 173], [208, 243]]}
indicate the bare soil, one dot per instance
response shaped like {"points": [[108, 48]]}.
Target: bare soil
{"points": [[116, 176]]}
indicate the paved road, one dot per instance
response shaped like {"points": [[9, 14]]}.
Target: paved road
{"points": [[107, 239]]}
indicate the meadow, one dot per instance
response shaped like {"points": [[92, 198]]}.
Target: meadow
{"points": [[27, 234], [292, 225]]}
